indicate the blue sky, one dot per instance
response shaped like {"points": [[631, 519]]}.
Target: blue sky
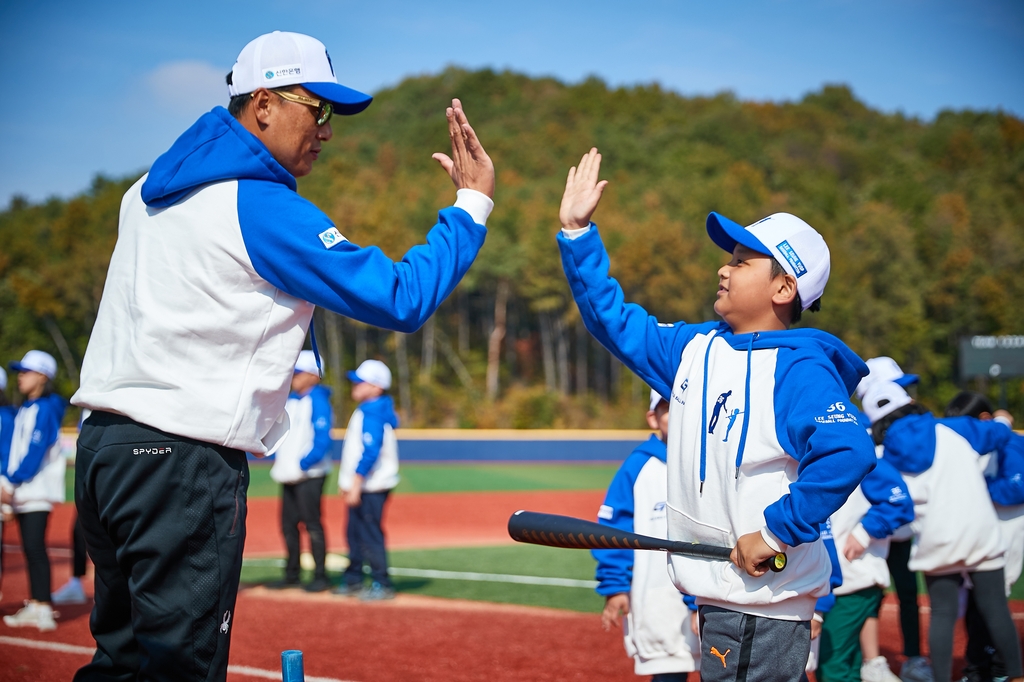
{"points": [[105, 87]]}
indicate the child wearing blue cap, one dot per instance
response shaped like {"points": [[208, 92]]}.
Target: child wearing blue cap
{"points": [[794, 453]]}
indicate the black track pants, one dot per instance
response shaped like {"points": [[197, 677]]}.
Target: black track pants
{"points": [[33, 542], [164, 521], [300, 502]]}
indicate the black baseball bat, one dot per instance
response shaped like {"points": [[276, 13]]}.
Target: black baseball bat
{"points": [[554, 530]]}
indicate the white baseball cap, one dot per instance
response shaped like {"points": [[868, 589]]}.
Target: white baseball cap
{"points": [[798, 247], [36, 361], [372, 372], [656, 400], [882, 398], [307, 363], [280, 59], [884, 368], [3, 379]]}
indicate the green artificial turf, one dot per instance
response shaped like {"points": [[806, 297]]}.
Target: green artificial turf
{"points": [[451, 478], [511, 560]]}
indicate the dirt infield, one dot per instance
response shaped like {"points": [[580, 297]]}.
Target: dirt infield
{"points": [[411, 638]]}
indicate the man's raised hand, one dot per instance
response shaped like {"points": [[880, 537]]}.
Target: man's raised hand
{"points": [[469, 166], [582, 192]]}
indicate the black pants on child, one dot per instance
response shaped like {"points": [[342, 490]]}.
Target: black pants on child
{"points": [[990, 598], [366, 540], [300, 502], [33, 542], [164, 520], [904, 582], [80, 551]]}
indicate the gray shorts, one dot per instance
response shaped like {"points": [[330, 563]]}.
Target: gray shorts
{"points": [[737, 647]]}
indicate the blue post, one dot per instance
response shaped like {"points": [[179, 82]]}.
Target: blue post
{"points": [[291, 666]]}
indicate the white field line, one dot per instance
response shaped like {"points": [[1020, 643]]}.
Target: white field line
{"points": [[89, 651], [459, 575]]}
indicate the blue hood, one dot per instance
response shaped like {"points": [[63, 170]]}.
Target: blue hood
{"points": [[383, 408], [653, 447], [848, 365], [910, 443], [214, 149]]}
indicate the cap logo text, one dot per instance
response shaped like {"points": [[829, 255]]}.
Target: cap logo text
{"points": [[794, 260], [286, 71]]}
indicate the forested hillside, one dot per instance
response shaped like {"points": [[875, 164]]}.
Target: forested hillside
{"points": [[925, 222]]}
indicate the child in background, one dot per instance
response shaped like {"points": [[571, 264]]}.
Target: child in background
{"points": [[916, 667], [1004, 474], [861, 529], [6, 429], [791, 457], [369, 470], [300, 466], [659, 630], [955, 525], [33, 479]]}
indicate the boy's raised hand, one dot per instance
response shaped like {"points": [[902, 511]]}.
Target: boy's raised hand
{"points": [[582, 192]]}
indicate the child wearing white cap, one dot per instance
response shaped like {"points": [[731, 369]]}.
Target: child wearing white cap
{"points": [[1004, 475], [369, 470], [659, 631], [955, 526], [766, 481], [32, 479], [300, 466], [916, 667]]}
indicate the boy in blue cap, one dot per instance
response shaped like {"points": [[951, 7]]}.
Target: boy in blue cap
{"points": [[799, 453]]}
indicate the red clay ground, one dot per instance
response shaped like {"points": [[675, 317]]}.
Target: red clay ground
{"points": [[412, 638]]}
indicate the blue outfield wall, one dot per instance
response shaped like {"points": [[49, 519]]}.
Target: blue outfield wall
{"points": [[506, 445]]}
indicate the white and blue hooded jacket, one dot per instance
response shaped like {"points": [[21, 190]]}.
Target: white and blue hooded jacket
{"points": [[657, 631], [955, 525], [306, 452], [371, 448], [759, 436], [212, 283], [31, 463], [874, 511]]}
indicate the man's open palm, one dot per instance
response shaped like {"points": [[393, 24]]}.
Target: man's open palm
{"points": [[582, 192], [469, 165]]}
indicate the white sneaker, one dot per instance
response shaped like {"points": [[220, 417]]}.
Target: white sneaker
{"points": [[917, 669], [71, 593], [33, 614], [877, 670]]}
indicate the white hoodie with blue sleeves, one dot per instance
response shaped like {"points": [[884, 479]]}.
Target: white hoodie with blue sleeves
{"points": [[760, 437], [371, 447], [31, 463], [212, 283], [306, 452], [955, 526], [657, 631]]}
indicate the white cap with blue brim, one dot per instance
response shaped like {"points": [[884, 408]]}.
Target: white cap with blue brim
{"points": [[797, 246], [280, 59]]}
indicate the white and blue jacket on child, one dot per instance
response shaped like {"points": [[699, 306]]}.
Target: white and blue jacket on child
{"points": [[759, 436], [657, 631], [31, 462], [955, 525], [306, 452], [218, 265], [1004, 474], [371, 448]]}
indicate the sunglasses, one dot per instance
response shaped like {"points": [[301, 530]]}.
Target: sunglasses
{"points": [[324, 109]]}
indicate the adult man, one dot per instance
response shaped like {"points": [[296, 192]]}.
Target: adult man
{"points": [[208, 298]]}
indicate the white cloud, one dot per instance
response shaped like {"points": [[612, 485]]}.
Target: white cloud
{"points": [[188, 87]]}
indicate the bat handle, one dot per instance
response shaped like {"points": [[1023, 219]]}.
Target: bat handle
{"points": [[777, 562]]}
